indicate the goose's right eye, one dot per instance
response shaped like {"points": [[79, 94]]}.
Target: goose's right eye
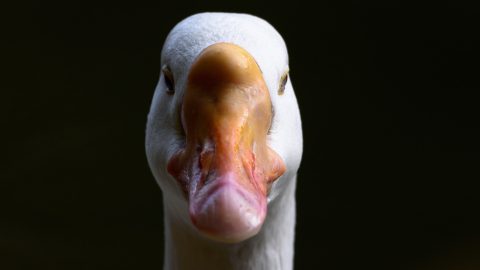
{"points": [[168, 78], [283, 83]]}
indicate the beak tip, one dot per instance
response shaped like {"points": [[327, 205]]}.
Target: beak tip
{"points": [[229, 214]]}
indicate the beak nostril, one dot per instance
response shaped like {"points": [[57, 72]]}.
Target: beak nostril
{"points": [[206, 158]]}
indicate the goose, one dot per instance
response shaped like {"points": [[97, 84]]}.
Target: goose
{"points": [[224, 143]]}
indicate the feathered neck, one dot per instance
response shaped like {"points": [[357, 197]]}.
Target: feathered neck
{"points": [[271, 248]]}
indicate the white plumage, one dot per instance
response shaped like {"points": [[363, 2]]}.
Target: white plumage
{"points": [[185, 248]]}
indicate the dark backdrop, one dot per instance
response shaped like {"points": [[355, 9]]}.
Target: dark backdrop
{"points": [[389, 174]]}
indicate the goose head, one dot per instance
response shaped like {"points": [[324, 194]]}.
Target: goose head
{"points": [[223, 136]]}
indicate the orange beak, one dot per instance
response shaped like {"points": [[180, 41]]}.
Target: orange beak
{"points": [[226, 167]]}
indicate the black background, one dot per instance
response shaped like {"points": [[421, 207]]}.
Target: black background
{"points": [[387, 95]]}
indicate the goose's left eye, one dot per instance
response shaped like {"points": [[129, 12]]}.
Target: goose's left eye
{"points": [[283, 83], [168, 78]]}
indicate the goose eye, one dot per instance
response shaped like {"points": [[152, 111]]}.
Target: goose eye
{"points": [[283, 82], [168, 78]]}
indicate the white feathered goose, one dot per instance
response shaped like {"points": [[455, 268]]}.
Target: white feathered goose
{"points": [[224, 142]]}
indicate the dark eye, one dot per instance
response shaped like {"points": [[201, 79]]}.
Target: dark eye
{"points": [[283, 82], [168, 78]]}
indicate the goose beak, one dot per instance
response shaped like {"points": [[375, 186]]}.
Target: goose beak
{"points": [[226, 166]]}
